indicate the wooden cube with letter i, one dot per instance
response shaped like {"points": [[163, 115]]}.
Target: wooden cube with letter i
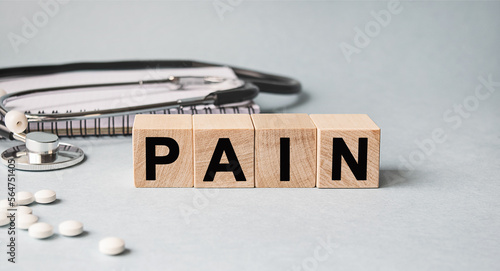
{"points": [[348, 151], [163, 151], [223, 150], [285, 150]]}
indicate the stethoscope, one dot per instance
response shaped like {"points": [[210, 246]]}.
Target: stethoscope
{"points": [[42, 151]]}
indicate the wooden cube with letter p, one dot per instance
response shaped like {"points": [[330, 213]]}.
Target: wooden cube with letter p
{"points": [[348, 151], [285, 150], [163, 151], [223, 150]]}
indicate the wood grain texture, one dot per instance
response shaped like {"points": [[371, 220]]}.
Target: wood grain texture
{"points": [[350, 128], [180, 173], [208, 129], [301, 131]]}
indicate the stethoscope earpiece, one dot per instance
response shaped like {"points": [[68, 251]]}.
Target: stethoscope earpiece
{"points": [[16, 121]]}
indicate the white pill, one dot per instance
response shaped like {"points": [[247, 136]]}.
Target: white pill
{"points": [[41, 230], [111, 246], [45, 196], [4, 220], [5, 204], [20, 209], [24, 198], [71, 228], [24, 210], [24, 221], [2, 92]]}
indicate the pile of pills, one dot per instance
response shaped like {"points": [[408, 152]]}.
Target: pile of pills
{"points": [[26, 220]]}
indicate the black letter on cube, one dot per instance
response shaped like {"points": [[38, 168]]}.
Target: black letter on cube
{"points": [[152, 160], [224, 145], [340, 150], [284, 159]]}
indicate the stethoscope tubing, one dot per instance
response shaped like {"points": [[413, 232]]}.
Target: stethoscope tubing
{"points": [[245, 92], [267, 83]]}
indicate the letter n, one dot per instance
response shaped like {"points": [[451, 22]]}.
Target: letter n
{"points": [[359, 168]]}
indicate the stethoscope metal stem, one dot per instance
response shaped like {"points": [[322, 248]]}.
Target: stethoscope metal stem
{"points": [[20, 137]]}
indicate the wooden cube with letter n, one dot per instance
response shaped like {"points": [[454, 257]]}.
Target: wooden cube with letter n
{"points": [[163, 151], [223, 150], [348, 151], [285, 150]]}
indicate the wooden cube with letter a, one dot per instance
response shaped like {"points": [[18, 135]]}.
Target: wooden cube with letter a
{"points": [[348, 151], [285, 150], [163, 151], [223, 150]]}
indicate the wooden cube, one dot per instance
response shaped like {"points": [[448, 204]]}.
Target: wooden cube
{"points": [[163, 151], [285, 150], [348, 151], [223, 150]]}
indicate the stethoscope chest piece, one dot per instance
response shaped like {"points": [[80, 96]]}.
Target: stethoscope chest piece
{"points": [[41, 152]]}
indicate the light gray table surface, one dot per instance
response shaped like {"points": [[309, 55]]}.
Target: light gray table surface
{"points": [[439, 210]]}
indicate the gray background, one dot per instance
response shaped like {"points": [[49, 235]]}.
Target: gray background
{"points": [[438, 213]]}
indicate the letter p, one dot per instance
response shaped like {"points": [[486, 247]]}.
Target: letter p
{"points": [[152, 160]]}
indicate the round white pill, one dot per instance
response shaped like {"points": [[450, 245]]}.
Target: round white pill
{"points": [[24, 221], [4, 220], [5, 204], [45, 196], [24, 198], [70, 228], [111, 246], [41, 230], [24, 210]]}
